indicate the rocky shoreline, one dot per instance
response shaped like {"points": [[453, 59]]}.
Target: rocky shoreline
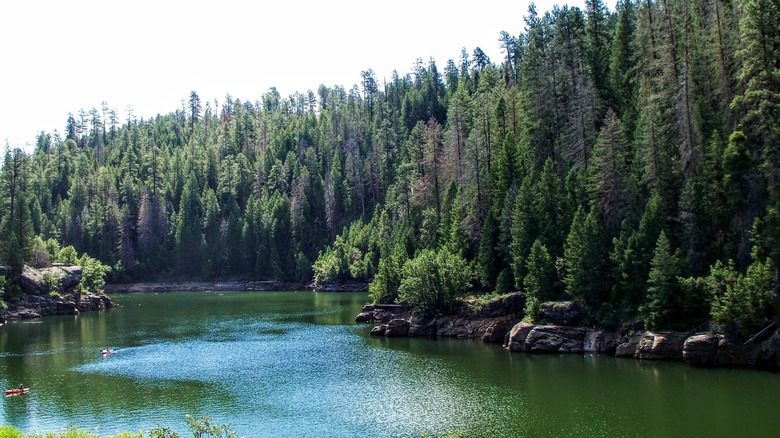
{"points": [[499, 321], [224, 286], [38, 300]]}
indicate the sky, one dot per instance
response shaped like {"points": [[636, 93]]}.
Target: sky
{"points": [[57, 57]]}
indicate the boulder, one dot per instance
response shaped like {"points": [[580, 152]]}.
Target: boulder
{"points": [[509, 304], [379, 330], [661, 346], [37, 281], [397, 328], [700, 350], [517, 335], [599, 341], [566, 313], [367, 308], [422, 324], [768, 357], [732, 351], [496, 332], [365, 317], [628, 347], [381, 315], [454, 326], [26, 314], [555, 339]]}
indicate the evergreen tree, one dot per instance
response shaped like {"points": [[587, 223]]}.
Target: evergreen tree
{"points": [[586, 278], [15, 222], [661, 304], [189, 238], [541, 282]]}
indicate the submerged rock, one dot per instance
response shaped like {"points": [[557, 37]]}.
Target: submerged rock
{"points": [[365, 317], [379, 330]]}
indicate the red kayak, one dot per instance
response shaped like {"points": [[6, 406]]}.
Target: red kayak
{"points": [[17, 391]]}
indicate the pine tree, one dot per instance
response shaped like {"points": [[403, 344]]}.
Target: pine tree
{"points": [[540, 284], [610, 177], [586, 263], [189, 238], [15, 222], [660, 305]]}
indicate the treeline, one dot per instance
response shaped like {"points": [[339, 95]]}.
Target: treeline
{"points": [[626, 160]]}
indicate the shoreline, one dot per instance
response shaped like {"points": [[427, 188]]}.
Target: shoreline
{"points": [[500, 321], [225, 286]]}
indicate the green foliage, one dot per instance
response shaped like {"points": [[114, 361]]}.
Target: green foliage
{"points": [[52, 285], [585, 261], [39, 256], [540, 284], [77, 433], [203, 428], [93, 277], [67, 255], [745, 302], [589, 137], [2, 291], [433, 279], [10, 432], [660, 303], [387, 281]]}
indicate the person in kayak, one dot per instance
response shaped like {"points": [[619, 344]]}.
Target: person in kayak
{"points": [[21, 387]]}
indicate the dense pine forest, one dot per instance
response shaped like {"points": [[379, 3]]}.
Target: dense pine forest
{"points": [[629, 161]]}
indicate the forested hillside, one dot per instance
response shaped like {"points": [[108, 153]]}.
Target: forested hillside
{"points": [[629, 161]]}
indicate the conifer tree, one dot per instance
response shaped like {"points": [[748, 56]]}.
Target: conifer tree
{"points": [[661, 304], [540, 284]]}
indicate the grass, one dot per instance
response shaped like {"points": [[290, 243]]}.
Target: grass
{"points": [[12, 432]]}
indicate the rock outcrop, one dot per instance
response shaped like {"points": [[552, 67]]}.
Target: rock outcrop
{"points": [[498, 321], [566, 313], [627, 348], [555, 339], [490, 322], [397, 328], [661, 346], [52, 291], [700, 350], [58, 278]]}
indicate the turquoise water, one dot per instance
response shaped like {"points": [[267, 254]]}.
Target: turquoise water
{"points": [[294, 364]]}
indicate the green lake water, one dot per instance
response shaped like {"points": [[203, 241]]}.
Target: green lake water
{"points": [[295, 364]]}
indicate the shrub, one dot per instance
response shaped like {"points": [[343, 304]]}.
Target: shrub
{"points": [[10, 431], [434, 279], [68, 255], [93, 277]]}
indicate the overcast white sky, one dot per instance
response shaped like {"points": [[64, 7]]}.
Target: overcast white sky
{"points": [[58, 57]]}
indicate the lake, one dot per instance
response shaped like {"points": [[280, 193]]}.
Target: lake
{"points": [[295, 364]]}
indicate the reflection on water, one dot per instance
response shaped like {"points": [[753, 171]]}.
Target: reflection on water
{"points": [[294, 364]]}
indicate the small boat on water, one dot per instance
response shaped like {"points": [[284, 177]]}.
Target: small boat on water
{"points": [[106, 351], [16, 391]]}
